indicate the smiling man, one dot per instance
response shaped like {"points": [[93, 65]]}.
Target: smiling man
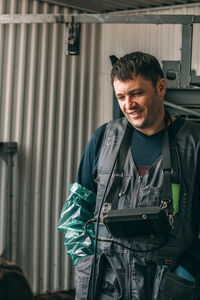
{"points": [[156, 263]]}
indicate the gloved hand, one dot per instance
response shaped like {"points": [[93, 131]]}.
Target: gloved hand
{"points": [[182, 272]]}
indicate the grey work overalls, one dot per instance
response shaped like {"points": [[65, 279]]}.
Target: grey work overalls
{"points": [[131, 275]]}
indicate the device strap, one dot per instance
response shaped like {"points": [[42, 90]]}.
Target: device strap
{"points": [[167, 197], [167, 168]]}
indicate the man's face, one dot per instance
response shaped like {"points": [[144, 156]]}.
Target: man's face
{"points": [[141, 103]]}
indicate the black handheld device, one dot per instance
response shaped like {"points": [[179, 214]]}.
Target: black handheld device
{"points": [[136, 221]]}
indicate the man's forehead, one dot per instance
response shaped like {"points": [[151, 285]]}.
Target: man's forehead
{"points": [[136, 80]]}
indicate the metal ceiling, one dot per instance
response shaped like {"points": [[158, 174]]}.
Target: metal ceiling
{"points": [[103, 6]]}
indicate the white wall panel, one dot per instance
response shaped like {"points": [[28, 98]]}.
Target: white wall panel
{"points": [[163, 41], [50, 104]]}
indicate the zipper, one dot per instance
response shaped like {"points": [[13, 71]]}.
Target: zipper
{"points": [[137, 191]]}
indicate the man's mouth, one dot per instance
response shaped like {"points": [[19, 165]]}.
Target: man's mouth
{"points": [[135, 113]]}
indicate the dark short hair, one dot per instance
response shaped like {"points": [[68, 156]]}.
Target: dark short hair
{"points": [[139, 63]]}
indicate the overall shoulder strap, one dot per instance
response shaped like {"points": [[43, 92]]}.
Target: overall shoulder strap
{"points": [[119, 170], [113, 136]]}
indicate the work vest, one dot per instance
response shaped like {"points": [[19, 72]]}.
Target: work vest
{"points": [[133, 271], [146, 190]]}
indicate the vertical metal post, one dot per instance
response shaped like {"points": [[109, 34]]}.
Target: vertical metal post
{"points": [[7, 151], [186, 55], [10, 210], [14, 204], [117, 113]]}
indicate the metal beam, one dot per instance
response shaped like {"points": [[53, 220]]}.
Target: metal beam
{"points": [[136, 19], [186, 97], [181, 108], [36, 18], [98, 18], [186, 55]]}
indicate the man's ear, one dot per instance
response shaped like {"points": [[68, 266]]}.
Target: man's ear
{"points": [[161, 87]]}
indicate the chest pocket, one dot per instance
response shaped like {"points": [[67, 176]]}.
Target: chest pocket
{"points": [[123, 193], [149, 196]]}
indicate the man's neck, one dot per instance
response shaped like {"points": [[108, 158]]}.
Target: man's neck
{"points": [[157, 127], [152, 130]]}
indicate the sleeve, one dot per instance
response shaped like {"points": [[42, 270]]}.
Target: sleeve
{"points": [[88, 165], [77, 210], [79, 206], [191, 260]]}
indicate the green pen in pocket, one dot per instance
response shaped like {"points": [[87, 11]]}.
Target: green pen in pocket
{"points": [[176, 196]]}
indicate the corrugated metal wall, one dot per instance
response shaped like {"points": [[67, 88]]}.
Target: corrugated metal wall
{"points": [[47, 107], [50, 104]]}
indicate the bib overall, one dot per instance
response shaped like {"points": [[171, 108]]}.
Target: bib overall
{"points": [[138, 274]]}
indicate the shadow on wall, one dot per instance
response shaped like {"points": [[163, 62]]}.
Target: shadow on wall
{"points": [[14, 285]]}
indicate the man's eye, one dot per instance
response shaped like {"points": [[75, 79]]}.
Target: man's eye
{"points": [[121, 98], [137, 94]]}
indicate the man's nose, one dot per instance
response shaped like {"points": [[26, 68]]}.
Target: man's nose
{"points": [[129, 102]]}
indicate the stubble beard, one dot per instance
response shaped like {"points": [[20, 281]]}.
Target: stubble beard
{"points": [[147, 122]]}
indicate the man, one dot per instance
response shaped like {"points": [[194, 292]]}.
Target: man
{"points": [[146, 265]]}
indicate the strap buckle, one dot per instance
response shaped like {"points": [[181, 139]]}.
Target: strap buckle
{"points": [[119, 173], [170, 171]]}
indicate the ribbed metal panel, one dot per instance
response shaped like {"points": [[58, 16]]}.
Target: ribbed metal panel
{"points": [[50, 104], [96, 6], [47, 107]]}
